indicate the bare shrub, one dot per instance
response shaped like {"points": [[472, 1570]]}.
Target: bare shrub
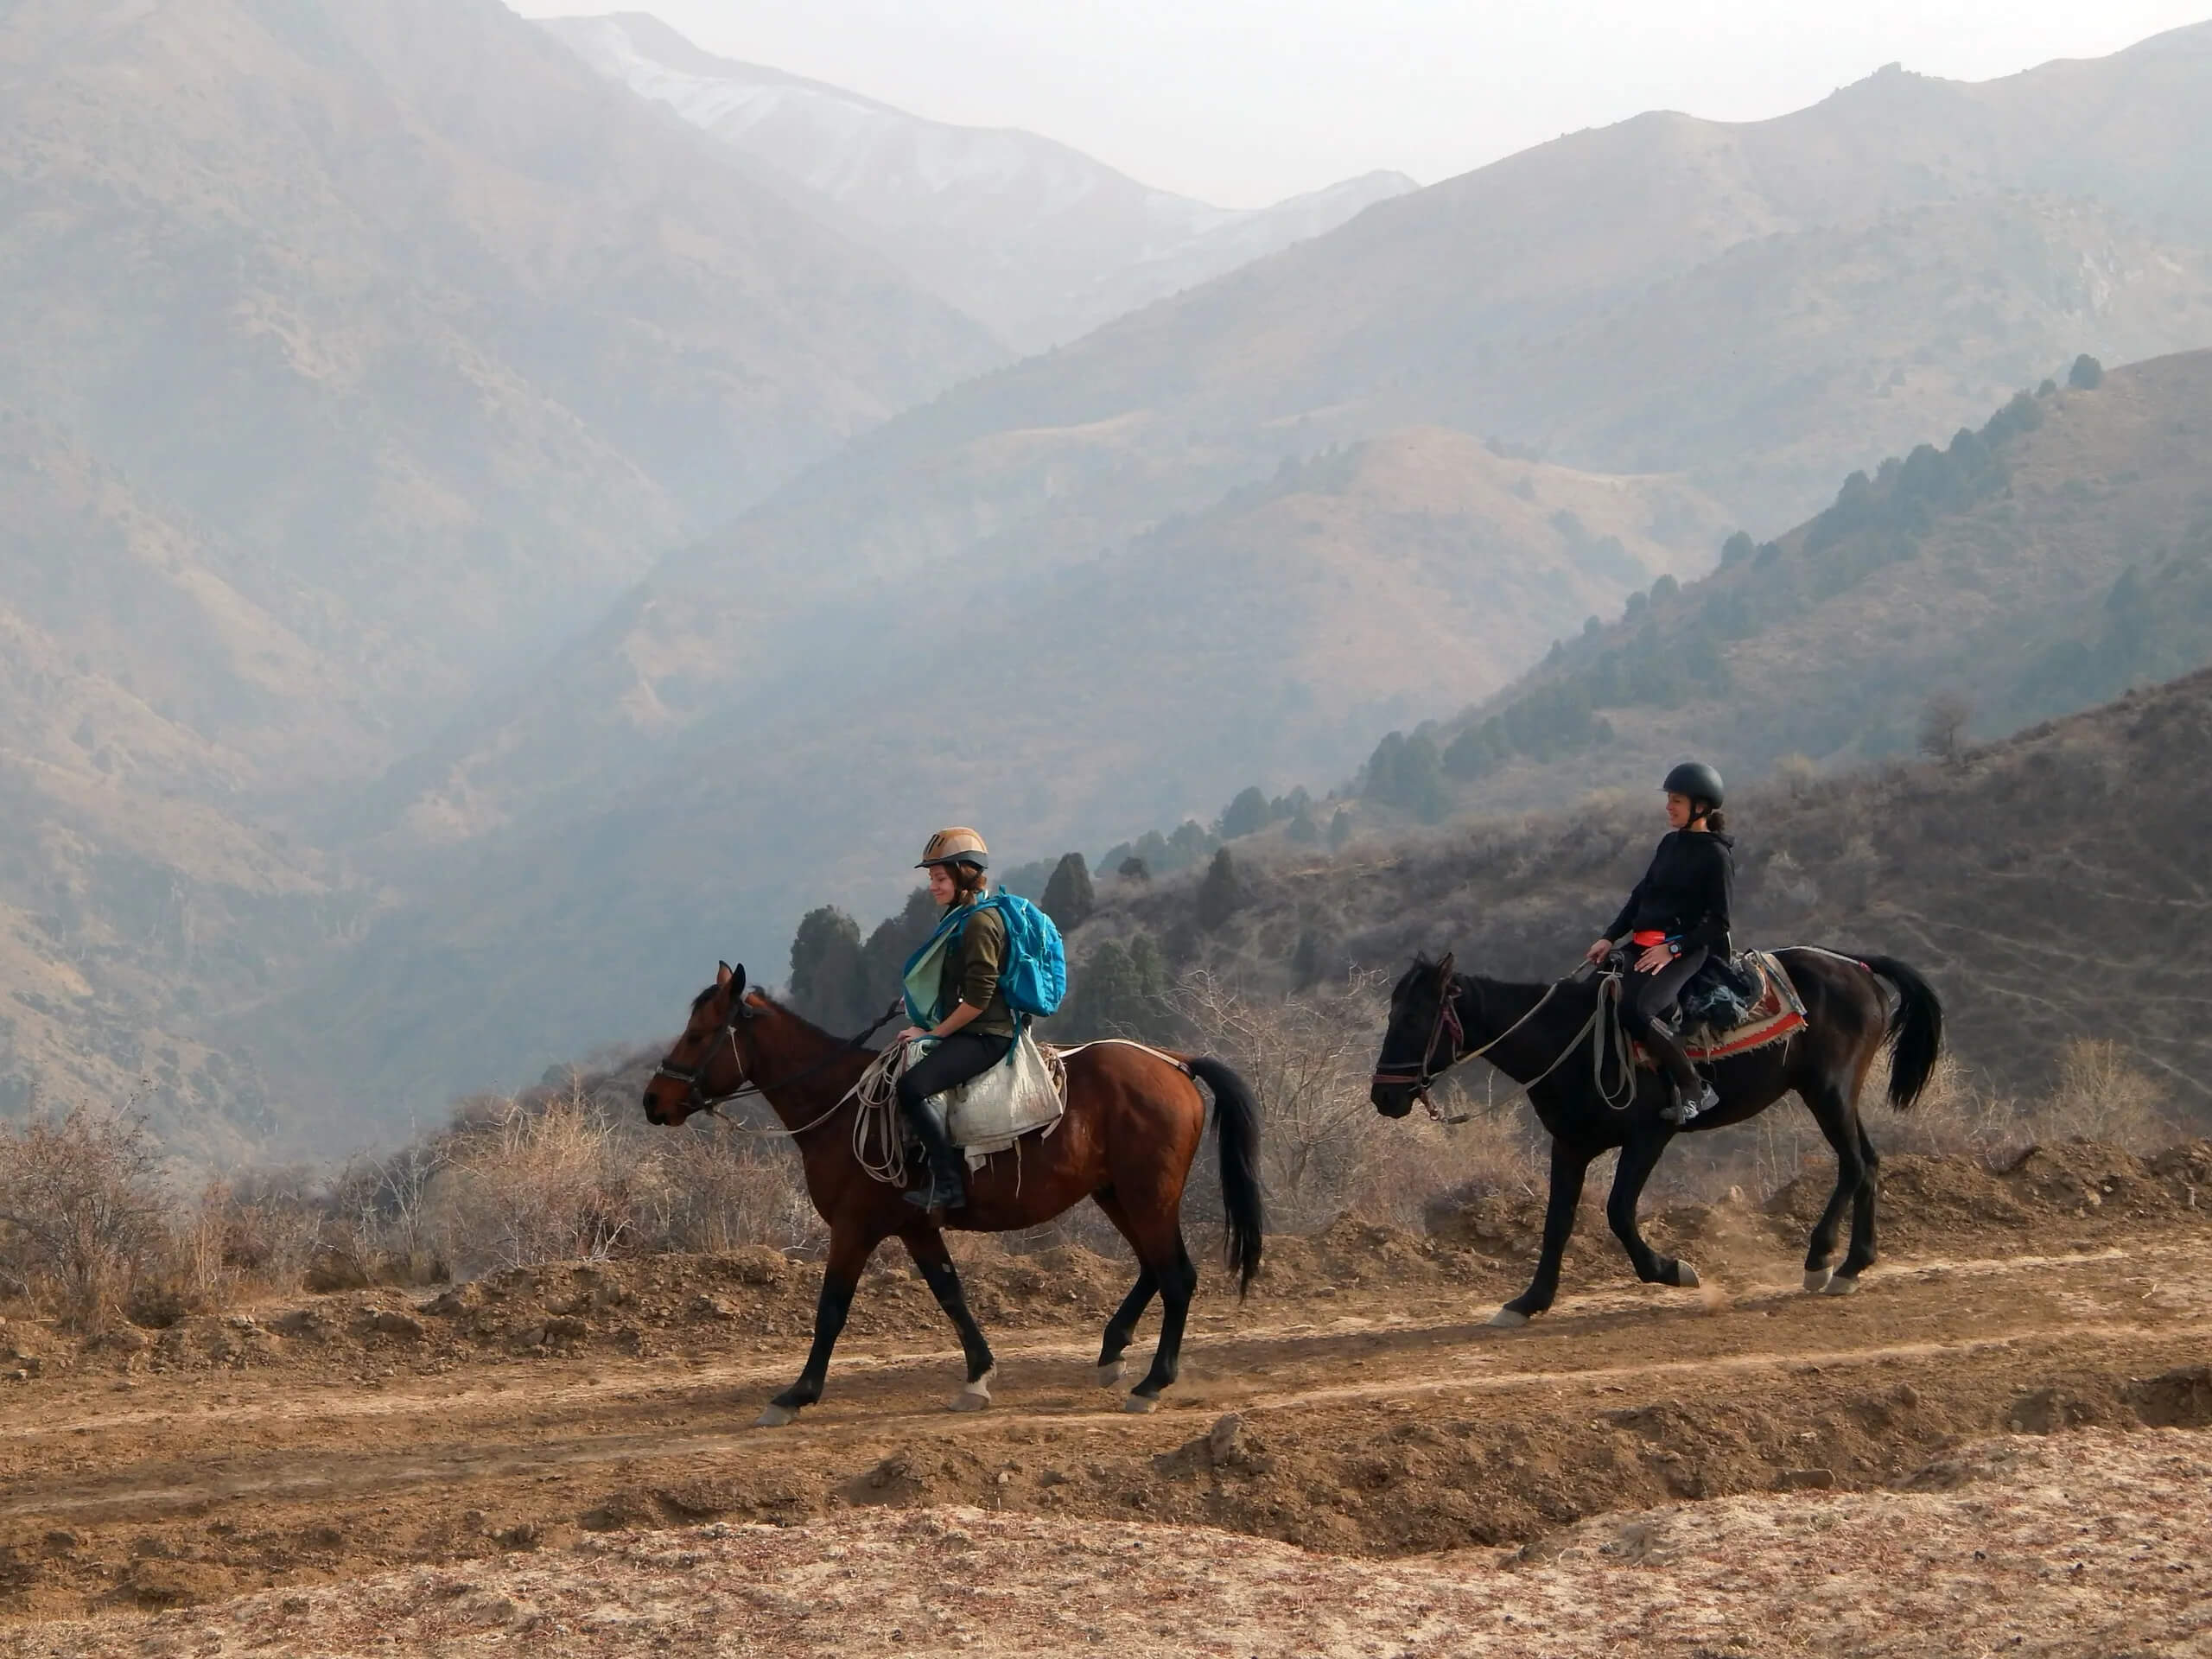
{"points": [[379, 1230], [534, 1183], [254, 1232], [83, 1210], [2100, 1096], [1307, 1059], [710, 1191]]}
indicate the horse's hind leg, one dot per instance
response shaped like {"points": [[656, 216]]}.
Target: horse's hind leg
{"points": [[1122, 1327], [1639, 1157], [1838, 1123], [1863, 1210], [1164, 1268], [1179, 1282], [925, 1244]]}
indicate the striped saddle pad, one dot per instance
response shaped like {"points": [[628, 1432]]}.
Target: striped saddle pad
{"points": [[1776, 1012]]}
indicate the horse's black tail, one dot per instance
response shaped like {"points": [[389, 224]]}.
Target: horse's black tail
{"points": [[1916, 1029], [1236, 1125]]}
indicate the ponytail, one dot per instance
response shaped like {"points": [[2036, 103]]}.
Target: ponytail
{"points": [[1716, 822]]}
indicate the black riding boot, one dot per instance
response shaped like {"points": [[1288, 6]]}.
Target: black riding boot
{"points": [[944, 1177], [1693, 1094]]}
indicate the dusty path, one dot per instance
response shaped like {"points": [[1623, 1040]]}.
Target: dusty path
{"points": [[320, 1442]]}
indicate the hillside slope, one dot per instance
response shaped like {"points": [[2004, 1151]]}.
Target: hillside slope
{"points": [[1035, 240], [1266, 635], [1758, 308], [449, 343], [2054, 559], [341, 376], [2050, 886]]}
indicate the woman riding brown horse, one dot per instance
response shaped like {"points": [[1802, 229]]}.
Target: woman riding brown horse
{"points": [[1127, 1141]]}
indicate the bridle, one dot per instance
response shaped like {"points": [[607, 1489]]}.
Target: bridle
{"points": [[1446, 1027], [741, 1013], [1449, 1028]]}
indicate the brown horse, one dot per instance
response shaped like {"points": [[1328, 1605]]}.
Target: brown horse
{"points": [[1557, 1040], [1127, 1141]]}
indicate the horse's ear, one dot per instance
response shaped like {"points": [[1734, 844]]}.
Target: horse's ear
{"points": [[1444, 968], [723, 975]]}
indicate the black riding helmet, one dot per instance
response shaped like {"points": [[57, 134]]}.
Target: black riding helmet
{"points": [[1698, 781]]}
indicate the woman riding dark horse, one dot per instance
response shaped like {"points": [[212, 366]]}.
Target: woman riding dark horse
{"points": [[1676, 917], [1559, 1043], [971, 1025]]}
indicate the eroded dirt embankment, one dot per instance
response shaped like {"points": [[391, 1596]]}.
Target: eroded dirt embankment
{"points": [[326, 1438]]}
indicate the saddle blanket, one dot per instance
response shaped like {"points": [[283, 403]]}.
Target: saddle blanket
{"points": [[1776, 1011], [991, 1113]]}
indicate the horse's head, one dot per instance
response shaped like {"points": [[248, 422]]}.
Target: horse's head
{"points": [[709, 1062], [1423, 1038]]}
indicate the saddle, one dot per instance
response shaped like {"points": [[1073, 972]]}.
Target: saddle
{"points": [[1025, 1092], [1732, 1007]]}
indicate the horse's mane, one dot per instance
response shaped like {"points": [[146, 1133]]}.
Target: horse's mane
{"points": [[754, 994]]}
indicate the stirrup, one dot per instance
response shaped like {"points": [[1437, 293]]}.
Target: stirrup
{"points": [[1681, 1111], [941, 1189]]}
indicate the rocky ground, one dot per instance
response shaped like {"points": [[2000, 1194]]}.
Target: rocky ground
{"points": [[2000, 1445]]}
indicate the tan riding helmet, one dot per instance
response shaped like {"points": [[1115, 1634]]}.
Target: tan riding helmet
{"points": [[958, 845]]}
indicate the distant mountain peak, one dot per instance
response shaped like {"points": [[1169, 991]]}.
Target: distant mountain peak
{"points": [[1034, 238]]}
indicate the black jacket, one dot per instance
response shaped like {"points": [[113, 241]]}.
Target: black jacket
{"points": [[1685, 894]]}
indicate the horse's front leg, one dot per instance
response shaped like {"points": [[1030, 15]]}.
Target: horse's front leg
{"points": [[851, 1243], [1570, 1164], [1639, 1157], [925, 1244]]}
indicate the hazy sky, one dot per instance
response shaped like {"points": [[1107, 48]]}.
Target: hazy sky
{"points": [[1241, 102]]}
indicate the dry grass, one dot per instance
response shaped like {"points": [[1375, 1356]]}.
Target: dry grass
{"points": [[89, 1231]]}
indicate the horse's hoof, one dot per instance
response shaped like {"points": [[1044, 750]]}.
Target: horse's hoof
{"points": [[1508, 1318], [1842, 1285], [775, 1416], [1140, 1404], [1110, 1375], [1685, 1276], [1816, 1280], [976, 1396]]}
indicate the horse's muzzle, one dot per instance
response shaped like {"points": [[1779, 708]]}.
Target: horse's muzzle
{"points": [[1392, 1099]]}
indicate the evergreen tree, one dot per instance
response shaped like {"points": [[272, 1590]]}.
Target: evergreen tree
{"points": [[1736, 550], [883, 958], [1301, 830], [1133, 868], [2087, 374], [827, 982], [1069, 900], [1340, 830], [1246, 815], [1221, 893]]}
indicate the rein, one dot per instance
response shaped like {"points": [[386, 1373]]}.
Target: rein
{"points": [[1448, 1027], [698, 1100]]}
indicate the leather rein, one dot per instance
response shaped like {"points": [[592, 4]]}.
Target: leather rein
{"points": [[1448, 1028], [697, 1099]]}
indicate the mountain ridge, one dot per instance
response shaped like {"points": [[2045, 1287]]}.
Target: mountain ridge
{"points": [[1038, 241]]}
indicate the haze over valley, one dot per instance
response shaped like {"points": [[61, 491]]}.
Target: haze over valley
{"points": [[489, 530]]}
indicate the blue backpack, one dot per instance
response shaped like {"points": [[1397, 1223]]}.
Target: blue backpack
{"points": [[1035, 977]]}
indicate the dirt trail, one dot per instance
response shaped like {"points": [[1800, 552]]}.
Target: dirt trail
{"points": [[1358, 1405]]}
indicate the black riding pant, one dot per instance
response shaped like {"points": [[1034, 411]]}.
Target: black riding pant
{"points": [[1646, 999], [952, 1061]]}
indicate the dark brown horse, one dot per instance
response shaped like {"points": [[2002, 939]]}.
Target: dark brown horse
{"points": [[1545, 1037], [1127, 1141]]}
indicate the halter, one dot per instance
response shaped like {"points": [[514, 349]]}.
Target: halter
{"points": [[740, 1013]]}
